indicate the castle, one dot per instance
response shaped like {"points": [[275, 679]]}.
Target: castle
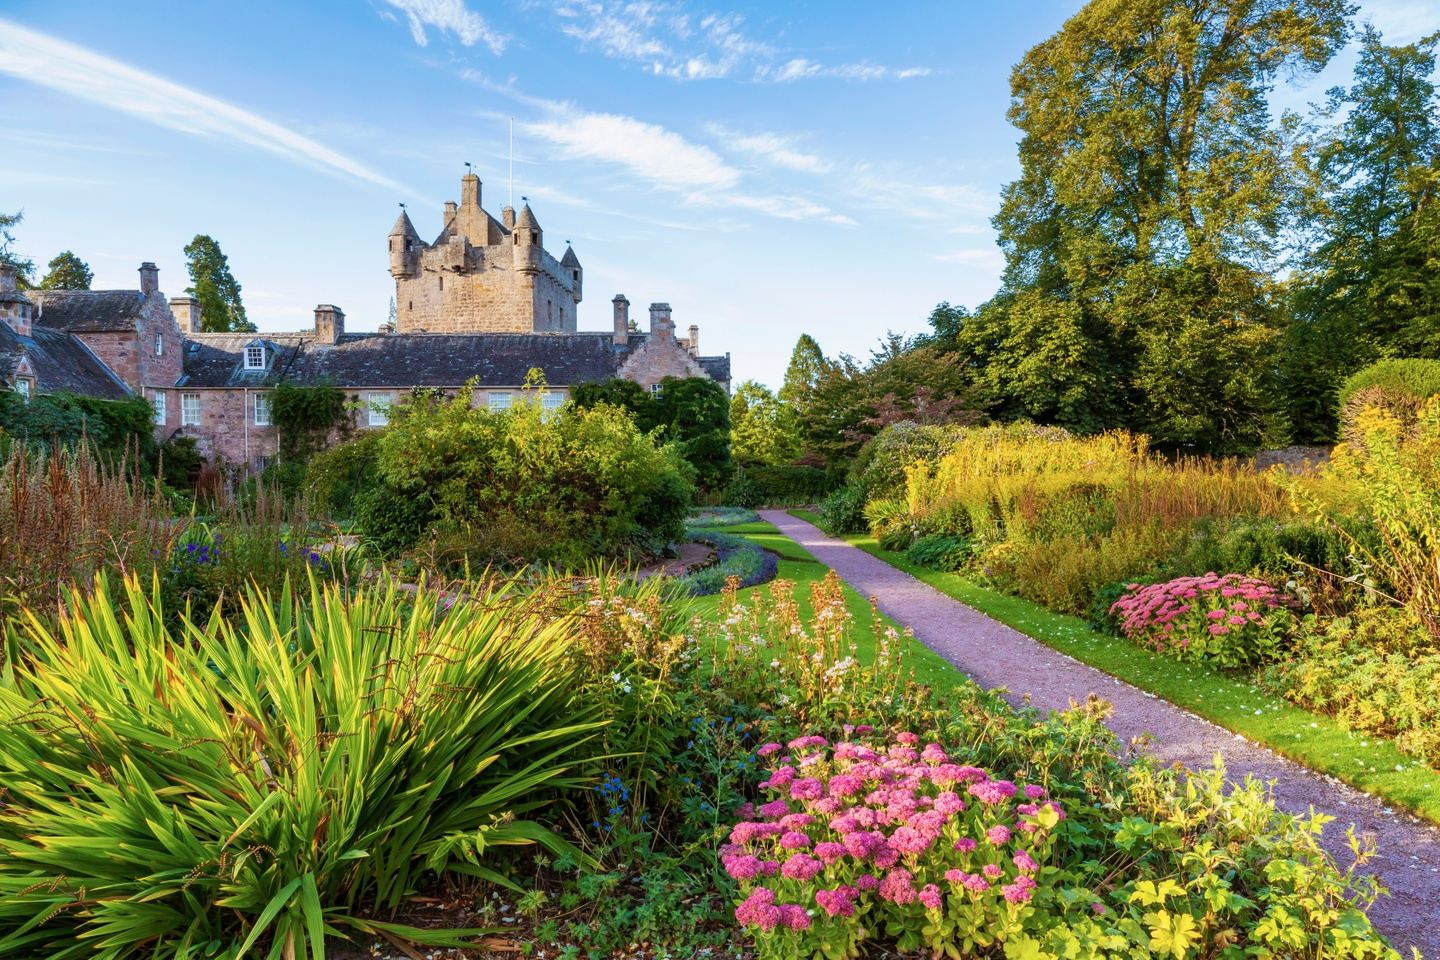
{"points": [[482, 305]]}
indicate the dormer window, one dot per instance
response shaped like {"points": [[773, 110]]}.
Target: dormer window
{"points": [[255, 356], [25, 387]]}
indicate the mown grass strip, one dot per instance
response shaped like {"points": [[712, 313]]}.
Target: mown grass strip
{"points": [[1324, 745]]}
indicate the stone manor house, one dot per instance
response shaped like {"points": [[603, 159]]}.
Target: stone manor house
{"points": [[485, 301]]}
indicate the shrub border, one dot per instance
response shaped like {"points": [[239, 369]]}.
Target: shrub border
{"points": [[1313, 740]]}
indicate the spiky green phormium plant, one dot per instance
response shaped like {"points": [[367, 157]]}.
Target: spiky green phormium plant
{"points": [[252, 787]]}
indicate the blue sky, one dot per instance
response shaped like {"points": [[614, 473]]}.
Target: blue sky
{"points": [[766, 168]]}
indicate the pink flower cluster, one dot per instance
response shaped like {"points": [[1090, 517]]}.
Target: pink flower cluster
{"points": [[893, 828], [1174, 615]]}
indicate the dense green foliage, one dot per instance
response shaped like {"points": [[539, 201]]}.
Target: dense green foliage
{"points": [[692, 412], [779, 485], [763, 429], [215, 287], [113, 428], [67, 272], [521, 484]]}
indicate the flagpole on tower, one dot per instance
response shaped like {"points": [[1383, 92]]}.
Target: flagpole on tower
{"points": [[512, 163]]}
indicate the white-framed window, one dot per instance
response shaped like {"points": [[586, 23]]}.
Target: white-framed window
{"points": [[550, 404], [157, 400], [255, 356], [377, 407], [497, 400], [189, 409], [159, 345], [25, 387], [262, 409], [657, 388]]}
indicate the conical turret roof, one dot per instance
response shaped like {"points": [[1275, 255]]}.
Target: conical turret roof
{"points": [[527, 218], [403, 227], [569, 260]]}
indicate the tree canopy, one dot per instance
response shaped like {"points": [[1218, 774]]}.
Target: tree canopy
{"points": [[24, 268], [212, 284], [67, 272]]}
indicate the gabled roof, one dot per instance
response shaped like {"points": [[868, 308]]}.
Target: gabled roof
{"points": [[62, 364], [372, 361], [218, 359], [87, 311]]}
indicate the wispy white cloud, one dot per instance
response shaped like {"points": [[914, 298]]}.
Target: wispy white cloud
{"points": [[773, 148], [980, 259], [656, 155], [898, 190], [672, 43], [449, 16], [44, 60], [665, 160], [801, 68]]}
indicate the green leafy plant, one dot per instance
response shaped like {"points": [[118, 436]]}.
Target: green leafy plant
{"points": [[259, 785]]}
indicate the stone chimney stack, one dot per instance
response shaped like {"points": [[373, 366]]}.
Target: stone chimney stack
{"points": [[329, 323], [507, 217], [149, 278], [622, 320], [470, 191], [15, 308], [187, 313], [660, 322], [449, 212], [694, 340]]}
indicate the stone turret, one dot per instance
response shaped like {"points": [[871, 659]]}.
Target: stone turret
{"points": [[622, 320], [572, 263], [405, 247], [528, 240]]}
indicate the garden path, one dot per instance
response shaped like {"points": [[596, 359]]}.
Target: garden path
{"points": [[995, 655]]}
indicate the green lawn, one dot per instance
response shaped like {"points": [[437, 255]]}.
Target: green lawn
{"points": [[1320, 743], [797, 565]]}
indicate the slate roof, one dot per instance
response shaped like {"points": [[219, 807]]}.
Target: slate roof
{"points": [[373, 360], [87, 311], [62, 364]]}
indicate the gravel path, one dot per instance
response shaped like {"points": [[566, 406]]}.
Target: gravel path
{"points": [[996, 655]]}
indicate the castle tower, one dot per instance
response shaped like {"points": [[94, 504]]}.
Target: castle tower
{"points": [[480, 274]]}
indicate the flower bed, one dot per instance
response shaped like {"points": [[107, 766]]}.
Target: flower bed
{"points": [[876, 841], [1231, 620], [736, 557]]}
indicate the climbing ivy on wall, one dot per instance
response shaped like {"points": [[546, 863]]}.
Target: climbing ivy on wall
{"points": [[305, 417]]}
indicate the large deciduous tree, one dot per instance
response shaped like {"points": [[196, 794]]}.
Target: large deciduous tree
{"points": [[67, 272], [1370, 287], [1142, 231], [762, 428], [212, 284]]}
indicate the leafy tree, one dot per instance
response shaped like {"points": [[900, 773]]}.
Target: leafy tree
{"points": [[212, 284], [808, 366], [762, 429], [694, 413], [67, 272], [24, 269], [1369, 288], [1153, 189]]}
